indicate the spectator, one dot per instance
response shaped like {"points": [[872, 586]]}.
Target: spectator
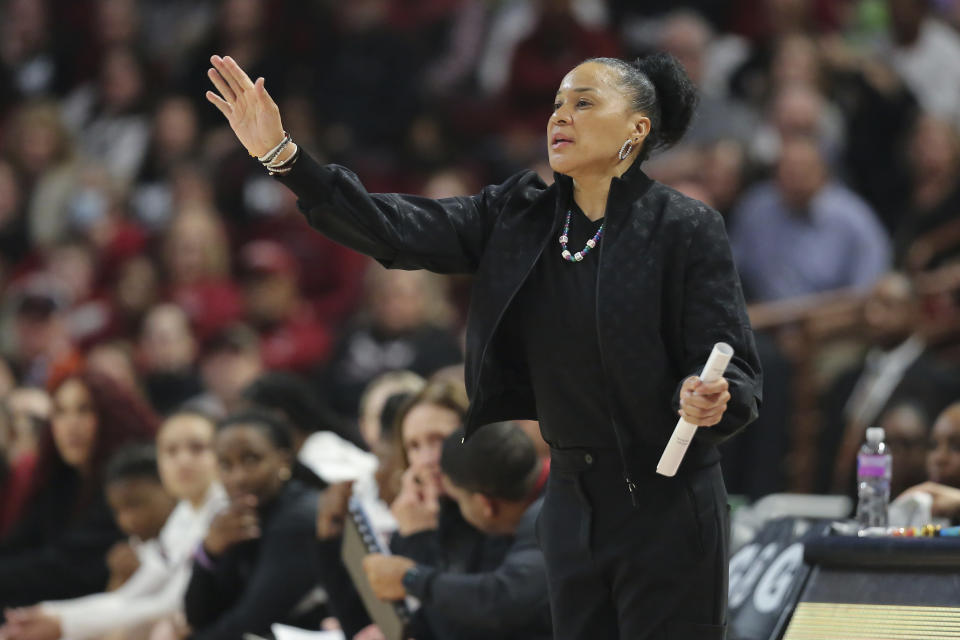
{"points": [[187, 468], [108, 117], [167, 354], [928, 234], [43, 345], [174, 140], [291, 336], [197, 264], [805, 233], [258, 563], [57, 550], [16, 470], [229, 363], [687, 36], [926, 54], [114, 360], [897, 366], [509, 601], [943, 465], [403, 329], [374, 399], [906, 434]]}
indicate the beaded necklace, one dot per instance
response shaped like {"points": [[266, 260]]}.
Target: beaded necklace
{"points": [[591, 243]]}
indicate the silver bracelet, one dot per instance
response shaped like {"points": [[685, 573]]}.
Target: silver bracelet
{"points": [[284, 167], [269, 156]]}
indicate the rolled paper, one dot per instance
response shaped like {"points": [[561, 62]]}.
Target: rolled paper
{"points": [[684, 431]]}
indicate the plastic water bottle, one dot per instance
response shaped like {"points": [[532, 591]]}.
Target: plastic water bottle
{"points": [[874, 467]]}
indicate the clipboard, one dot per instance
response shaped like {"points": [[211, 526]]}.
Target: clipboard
{"points": [[359, 540]]}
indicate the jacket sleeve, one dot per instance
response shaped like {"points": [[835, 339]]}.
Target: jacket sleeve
{"points": [[503, 600], [403, 231], [286, 571], [714, 311]]}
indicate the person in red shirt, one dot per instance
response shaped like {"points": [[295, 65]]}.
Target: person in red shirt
{"points": [[292, 336]]}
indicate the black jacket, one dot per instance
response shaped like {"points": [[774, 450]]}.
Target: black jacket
{"points": [[508, 601], [57, 551], [256, 583], [667, 290]]}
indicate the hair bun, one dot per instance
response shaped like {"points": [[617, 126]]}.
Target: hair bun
{"points": [[676, 95]]}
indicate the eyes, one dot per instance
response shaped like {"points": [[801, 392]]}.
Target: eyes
{"points": [[581, 103]]}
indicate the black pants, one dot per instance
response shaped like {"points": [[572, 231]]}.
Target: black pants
{"points": [[657, 572]]}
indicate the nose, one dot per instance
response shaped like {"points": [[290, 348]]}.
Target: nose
{"points": [[560, 116]]}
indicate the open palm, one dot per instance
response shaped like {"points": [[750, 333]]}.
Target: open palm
{"points": [[251, 112]]}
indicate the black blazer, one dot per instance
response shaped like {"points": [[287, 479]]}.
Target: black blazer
{"points": [[667, 290]]}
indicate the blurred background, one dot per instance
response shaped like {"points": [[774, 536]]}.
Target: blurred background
{"points": [[138, 239]]}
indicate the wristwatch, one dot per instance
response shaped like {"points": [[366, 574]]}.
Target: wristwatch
{"points": [[412, 578]]}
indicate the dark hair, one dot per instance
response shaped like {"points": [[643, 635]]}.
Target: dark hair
{"points": [[659, 87], [277, 429], [499, 461], [135, 461], [122, 419], [297, 401]]}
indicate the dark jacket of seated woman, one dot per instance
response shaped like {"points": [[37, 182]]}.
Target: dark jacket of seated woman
{"points": [[259, 563]]}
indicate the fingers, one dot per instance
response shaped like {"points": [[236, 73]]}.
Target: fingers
{"points": [[237, 78], [221, 85], [691, 401]]}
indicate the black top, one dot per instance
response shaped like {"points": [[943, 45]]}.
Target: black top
{"points": [[254, 584], [58, 550], [555, 313]]}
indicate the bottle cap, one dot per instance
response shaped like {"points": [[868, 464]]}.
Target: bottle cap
{"points": [[875, 434]]}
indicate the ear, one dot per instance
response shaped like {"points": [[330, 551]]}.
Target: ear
{"points": [[641, 128], [488, 506]]}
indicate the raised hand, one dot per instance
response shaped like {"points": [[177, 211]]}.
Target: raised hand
{"points": [[237, 523], [251, 112]]}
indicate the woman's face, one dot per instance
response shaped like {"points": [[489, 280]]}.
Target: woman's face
{"points": [[185, 456], [424, 429], [943, 456], [74, 423], [591, 120], [250, 463]]}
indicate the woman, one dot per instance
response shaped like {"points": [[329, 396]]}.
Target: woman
{"points": [[58, 550], [188, 472], [603, 346], [258, 563]]}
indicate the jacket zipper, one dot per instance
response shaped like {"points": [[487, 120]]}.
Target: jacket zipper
{"points": [[631, 486]]}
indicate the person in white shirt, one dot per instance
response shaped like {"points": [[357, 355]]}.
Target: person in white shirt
{"points": [[188, 470]]}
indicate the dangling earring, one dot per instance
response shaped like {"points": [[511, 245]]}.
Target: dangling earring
{"points": [[284, 474], [626, 150]]}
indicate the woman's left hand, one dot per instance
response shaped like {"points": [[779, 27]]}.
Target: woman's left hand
{"points": [[704, 403]]}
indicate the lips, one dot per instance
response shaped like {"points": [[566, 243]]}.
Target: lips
{"points": [[559, 140]]}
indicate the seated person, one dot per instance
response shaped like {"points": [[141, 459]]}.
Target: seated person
{"points": [[906, 429], [258, 563], [59, 547], [499, 498], [188, 471], [943, 465]]}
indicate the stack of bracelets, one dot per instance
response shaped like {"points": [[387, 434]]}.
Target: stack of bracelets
{"points": [[270, 162]]}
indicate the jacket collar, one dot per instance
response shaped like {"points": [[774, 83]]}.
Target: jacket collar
{"points": [[624, 190]]}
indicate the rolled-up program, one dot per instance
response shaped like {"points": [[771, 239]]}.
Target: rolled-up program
{"points": [[684, 431]]}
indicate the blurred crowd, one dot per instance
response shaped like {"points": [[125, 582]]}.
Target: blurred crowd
{"points": [[158, 287]]}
